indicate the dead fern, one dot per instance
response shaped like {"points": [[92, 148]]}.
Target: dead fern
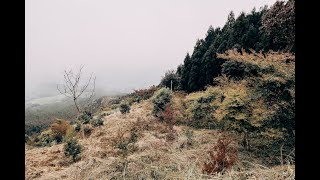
{"points": [[222, 156]]}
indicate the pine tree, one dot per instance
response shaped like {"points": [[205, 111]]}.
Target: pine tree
{"points": [[259, 30]]}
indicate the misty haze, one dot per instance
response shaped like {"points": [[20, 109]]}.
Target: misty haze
{"points": [[163, 89], [127, 44]]}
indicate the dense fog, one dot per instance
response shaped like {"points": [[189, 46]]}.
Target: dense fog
{"points": [[126, 44]]}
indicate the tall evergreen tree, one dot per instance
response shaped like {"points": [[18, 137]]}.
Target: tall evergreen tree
{"points": [[266, 29], [279, 23]]}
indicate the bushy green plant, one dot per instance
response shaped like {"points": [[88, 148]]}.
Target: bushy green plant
{"points": [[124, 107], [46, 139], [251, 70], [279, 92], [97, 122], [202, 113], [43, 139], [85, 117], [262, 106], [238, 70], [72, 149], [77, 127], [200, 110], [160, 99], [274, 88], [233, 69]]}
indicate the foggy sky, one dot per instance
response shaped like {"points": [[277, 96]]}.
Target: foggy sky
{"points": [[127, 44]]}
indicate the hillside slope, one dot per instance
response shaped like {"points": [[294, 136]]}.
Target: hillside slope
{"points": [[153, 156]]}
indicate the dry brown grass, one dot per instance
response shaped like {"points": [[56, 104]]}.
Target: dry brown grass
{"points": [[60, 128], [155, 157]]}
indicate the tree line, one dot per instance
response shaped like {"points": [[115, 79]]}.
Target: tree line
{"points": [[264, 30]]}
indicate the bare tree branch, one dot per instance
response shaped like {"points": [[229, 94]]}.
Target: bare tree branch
{"points": [[63, 92], [72, 88], [89, 101]]}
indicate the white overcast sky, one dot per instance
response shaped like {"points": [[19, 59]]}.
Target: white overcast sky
{"points": [[127, 44]]}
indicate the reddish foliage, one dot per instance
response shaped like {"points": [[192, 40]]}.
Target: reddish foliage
{"points": [[59, 128], [145, 93], [168, 116], [171, 136], [222, 156]]}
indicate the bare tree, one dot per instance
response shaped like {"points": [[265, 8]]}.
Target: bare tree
{"points": [[75, 88]]}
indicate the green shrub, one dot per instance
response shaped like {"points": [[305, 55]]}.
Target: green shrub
{"points": [[200, 111], [233, 69], [202, 114], [280, 92], [251, 70], [261, 107], [238, 70], [77, 128], [160, 99], [274, 88], [41, 140], [85, 117], [124, 107], [96, 122], [72, 149]]}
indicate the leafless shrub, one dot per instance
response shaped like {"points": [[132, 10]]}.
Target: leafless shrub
{"points": [[222, 156]]}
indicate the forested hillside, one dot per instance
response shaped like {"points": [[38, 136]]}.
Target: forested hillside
{"points": [[264, 30]]}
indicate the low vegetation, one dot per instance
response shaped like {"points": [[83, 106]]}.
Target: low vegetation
{"points": [[160, 100], [59, 129], [124, 107], [72, 149], [221, 157], [97, 122], [246, 119]]}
